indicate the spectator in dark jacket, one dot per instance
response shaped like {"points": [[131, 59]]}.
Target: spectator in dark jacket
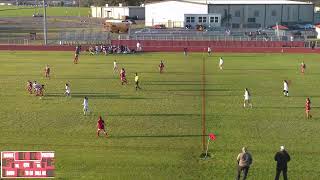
{"points": [[244, 160], [282, 157]]}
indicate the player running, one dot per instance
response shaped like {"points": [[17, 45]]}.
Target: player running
{"points": [[161, 67], [47, 71], [209, 51], [136, 80], [123, 76], [185, 51], [285, 88], [34, 85], [308, 108], [39, 89], [302, 67], [221, 63], [76, 55], [247, 98], [85, 106], [115, 66], [68, 90], [29, 87], [101, 127]]}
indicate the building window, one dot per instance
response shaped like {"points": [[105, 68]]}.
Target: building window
{"points": [[192, 19], [235, 25], [251, 20], [274, 13], [200, 19], [237, 13], [216, 19], [188, 19], [256, 14], [204, 19], [212, 19]]}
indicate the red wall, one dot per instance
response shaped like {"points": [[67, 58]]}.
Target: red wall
{"points": [[158, 46]]}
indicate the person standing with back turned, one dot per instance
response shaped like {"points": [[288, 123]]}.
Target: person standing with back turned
{"points": [[244, 160], [282, 157]]}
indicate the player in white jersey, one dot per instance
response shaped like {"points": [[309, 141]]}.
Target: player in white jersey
{"points": [[68, 90], [247, 98], [285, 88], [221, 63], [209, 51], [115, 66], [85, 106]]}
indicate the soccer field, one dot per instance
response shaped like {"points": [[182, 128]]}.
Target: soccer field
{"points": [[155, 133], [27, 11]]}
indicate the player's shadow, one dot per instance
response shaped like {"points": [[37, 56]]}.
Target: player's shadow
{"points": [[97, 95], [283, 69], [278, 107], [158, 136], [156, 114], [196, 90], [86, 77], [166, 84], [174, 81]]}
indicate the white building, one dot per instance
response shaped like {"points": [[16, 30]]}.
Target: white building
{"points": [[318, 31], [118, 12], [234, 13]]}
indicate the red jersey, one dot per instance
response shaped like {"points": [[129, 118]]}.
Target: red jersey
{"points": [[100, 124], [123, 74], [308, 106]]}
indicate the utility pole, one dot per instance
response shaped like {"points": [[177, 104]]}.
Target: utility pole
{"points": [[79, 7], [45, 22]]}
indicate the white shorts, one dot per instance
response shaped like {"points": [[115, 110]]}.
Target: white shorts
{"points": [[67, 92], [85, 108]]}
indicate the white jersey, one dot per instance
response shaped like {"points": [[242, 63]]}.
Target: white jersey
{"points": [[85, 103], [68, 89], [221, 61], [37, 86], [115, 64], [285, 86], [34, 85], [246, 95], [209, 49]]}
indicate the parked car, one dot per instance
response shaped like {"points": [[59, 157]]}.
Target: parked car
{"points": [[37, 15], [159, 26], [130, 21]]}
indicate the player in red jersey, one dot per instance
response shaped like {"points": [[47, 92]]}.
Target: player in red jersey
{"points": [[29, 87], [47, 71], [76, 55], [123, 76], [308, 108], [302, 67], [100, 127], [161, 67]]}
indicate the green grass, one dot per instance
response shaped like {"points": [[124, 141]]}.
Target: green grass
{"points": [[155, 132], [26, 11]]}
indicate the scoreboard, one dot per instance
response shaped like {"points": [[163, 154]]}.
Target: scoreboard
{"points": [[27, 164]]}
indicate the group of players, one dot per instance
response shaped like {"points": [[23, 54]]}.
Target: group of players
{"points": [[37, 89], [247, 95]]}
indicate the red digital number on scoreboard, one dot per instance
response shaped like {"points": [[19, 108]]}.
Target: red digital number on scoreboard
{"points": [[27, 164]]}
